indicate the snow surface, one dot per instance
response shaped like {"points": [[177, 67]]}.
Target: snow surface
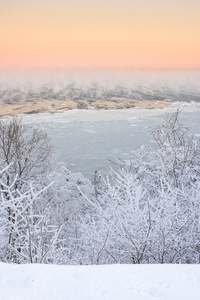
{"points": [[113, 282]]}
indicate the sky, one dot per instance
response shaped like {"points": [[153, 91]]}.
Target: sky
{"points": [[142, 34]]}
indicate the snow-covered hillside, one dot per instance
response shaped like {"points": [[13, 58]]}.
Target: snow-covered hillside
{"points": [[113, 282]]}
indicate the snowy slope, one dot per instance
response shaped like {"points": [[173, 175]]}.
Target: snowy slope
{"points": [[113, 282]]}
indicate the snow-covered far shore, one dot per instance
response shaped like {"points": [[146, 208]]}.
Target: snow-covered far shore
{"points": [[90, 115], [111, 282]]}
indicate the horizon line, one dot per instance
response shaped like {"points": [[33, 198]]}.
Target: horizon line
{"points": [[96, 68]]}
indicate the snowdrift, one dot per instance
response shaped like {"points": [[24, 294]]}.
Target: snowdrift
{"points": [[113, 282]]}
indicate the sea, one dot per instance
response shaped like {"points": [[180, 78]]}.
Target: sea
{"points": [[86, 141]]}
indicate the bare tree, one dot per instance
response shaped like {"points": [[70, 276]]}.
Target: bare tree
{"points": [[179, 154], [25, 153], [27, 149]]}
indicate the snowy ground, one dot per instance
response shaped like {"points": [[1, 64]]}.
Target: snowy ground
{"points": [[113, 282]]}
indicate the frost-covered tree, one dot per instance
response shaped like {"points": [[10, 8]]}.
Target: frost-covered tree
{"points": [[25, 156], [26, 235], [178, 154], [151, 213], [67, 198]]}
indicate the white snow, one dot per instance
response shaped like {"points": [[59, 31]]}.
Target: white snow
{"points": [[113, 282]]}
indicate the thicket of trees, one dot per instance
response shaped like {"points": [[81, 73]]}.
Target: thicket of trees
{"points": [[150, 213]]}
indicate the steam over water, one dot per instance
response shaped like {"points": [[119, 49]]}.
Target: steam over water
{"points": [[80, 85]]}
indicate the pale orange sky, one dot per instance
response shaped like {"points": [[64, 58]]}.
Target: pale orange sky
{"points": [[100, 34]]}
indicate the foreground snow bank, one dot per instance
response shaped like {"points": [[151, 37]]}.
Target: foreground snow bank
{"points": [[113, 282]]}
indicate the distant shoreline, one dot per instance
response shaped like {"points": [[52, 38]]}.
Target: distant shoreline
{"points": [[58, 106]]}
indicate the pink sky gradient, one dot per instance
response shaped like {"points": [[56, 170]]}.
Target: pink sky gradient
{"points": [[106, 34]]}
